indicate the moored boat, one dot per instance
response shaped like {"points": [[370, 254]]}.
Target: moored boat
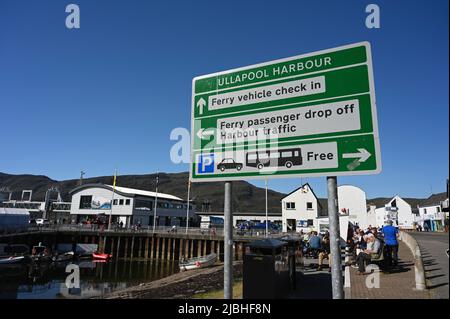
{"points": [[12, 260], [68, 256], [198, 262], [40, 253], [101, 256]]}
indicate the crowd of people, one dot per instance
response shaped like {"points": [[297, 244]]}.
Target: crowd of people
{"points": [[367, 246], [314, 245], [373, 244]]}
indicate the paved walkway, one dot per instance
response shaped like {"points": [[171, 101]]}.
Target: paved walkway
{"points": [[397, 284]]}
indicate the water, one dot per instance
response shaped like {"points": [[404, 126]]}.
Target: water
{"points": [[47, 281]]}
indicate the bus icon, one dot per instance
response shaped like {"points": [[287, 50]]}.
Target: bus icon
{"points": [[287, 157]]}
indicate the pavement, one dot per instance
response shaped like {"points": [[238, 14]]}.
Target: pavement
{"points": [[397, 283], [312, 284], [433, 246]]}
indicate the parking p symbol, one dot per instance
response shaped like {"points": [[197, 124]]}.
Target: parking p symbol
{"points": [[206, 163]]}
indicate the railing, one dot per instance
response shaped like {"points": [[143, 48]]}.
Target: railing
{"points": [[207, 232]]}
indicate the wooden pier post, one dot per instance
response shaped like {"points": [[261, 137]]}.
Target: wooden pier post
{"points": [[118, 248], [111, 250], [218, 250], [205, 243], [213, 246], [181, 249], [163, 248], [125, 255], [169, 247], [157, 247], [174, 241], [199, 248], [152, 247], [140, 248], [146, 248], [132, 248], [191, 248]]}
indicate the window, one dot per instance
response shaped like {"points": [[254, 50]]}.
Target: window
{"points": [[275, 155], [127, 202], [438, 209], [310, 222], [115, 202], [290, 205], [424, 210], [286, 154], [85, 202], [309, 205], [120, 201]]}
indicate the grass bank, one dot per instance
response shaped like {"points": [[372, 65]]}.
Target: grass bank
{"points": [[218, 294]]}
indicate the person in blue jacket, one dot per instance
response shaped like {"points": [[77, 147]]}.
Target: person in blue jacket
{"points": [[390, 234]]}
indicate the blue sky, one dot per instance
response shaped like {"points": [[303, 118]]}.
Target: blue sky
{"points": [[108, 94]]}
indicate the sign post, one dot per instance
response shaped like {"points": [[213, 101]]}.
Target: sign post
{"points": [[228, 243], [305, 116], [335, 238]]}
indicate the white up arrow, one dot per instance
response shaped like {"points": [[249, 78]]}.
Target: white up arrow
{"points": [[362, 154], [200, 104], [204, 133]]}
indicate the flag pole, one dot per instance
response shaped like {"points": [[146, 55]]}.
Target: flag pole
{"points": [[112, 199], [187, 208], [156, 202]]}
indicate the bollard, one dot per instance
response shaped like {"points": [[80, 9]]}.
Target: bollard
{"points": [[419, 270]]}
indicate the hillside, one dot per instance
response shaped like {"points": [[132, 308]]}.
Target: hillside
{"points": [[246, 197]]}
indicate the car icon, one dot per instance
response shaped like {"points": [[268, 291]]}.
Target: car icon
{"points": [[229, 163]]}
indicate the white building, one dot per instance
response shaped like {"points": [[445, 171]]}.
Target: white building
{"points": [[376, 217], [300, 210], [131, 206], [398, 210], [431, 213], [352, 201]]}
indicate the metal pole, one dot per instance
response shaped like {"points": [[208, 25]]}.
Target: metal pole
{"points": [[335, 246], [267, 216], [156, 203], [187, 209], [228, 244], [112, 199]]}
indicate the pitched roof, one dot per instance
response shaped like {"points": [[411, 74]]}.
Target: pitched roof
{"points": [[434, 200], [310, 188]]}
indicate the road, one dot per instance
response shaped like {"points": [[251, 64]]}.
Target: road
{"points": [[433, 247]]}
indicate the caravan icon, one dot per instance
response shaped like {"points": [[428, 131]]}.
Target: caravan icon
{"points": [[275, 158]]}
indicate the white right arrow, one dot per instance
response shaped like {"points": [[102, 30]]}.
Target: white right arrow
{"points": [[363, 155], [200, 104]]}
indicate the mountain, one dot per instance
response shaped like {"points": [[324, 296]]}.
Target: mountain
{"points": [[246, 197]]}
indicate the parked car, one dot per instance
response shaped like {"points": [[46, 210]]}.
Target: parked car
{"points": [[42, 222], [229, 163]]}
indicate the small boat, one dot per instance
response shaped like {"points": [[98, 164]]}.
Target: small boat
{"points": [[101, 256], [40, 253], [198, 262], [12, 260], [68, 256]]}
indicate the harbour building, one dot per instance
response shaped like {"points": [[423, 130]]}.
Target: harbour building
{"points": [[129, 206]]}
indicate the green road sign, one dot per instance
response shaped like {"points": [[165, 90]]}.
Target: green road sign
{"points": [[308, 115]]}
